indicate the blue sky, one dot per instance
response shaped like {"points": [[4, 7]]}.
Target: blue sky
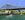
{"points": [[12, 2], [20, 2]]}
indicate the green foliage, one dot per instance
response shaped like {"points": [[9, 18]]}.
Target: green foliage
{"points": [[23, 13], [13, 11], [2, 10], [18, 12]]}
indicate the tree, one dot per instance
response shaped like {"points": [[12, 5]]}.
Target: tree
{"points": [[13, 11]]}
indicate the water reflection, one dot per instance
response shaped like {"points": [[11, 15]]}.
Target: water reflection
{"points": [[12, 17], [9, 16]]}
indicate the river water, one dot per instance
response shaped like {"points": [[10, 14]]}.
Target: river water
{"points": [[13, 17]]}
